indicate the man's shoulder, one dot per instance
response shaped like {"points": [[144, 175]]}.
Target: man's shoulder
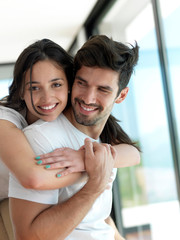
{"points": [[41, 125], [45, 136]]}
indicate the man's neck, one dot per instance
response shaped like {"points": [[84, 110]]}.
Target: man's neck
{"points": [[91, 131]]}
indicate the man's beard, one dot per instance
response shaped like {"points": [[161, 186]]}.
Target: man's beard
{"points": [[83, 119]]}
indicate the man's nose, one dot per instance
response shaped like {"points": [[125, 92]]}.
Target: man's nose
{"points": [[90, 96]]}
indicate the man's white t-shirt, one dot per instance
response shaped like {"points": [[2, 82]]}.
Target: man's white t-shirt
{"points": [[20, 122], [45, 137]]}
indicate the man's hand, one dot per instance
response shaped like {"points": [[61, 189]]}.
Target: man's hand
{"points": [[99, 162]]}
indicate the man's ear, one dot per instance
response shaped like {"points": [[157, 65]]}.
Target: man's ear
{"points": [[122, 95]]}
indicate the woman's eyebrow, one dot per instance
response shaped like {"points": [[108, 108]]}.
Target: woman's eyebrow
{"points": [[31, 82], [56, 79], [52, 80]]}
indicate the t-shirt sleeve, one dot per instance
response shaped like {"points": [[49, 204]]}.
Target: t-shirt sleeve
{"points": [[40, 145], [12, 116], [39, 141], [16, 190]]}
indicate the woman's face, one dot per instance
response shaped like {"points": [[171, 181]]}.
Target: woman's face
{"points": [[49, 91]]}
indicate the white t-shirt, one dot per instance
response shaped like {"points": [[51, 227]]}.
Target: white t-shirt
{"points": [[45, 137], [17, 119]]}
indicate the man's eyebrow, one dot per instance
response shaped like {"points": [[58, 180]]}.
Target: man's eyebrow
{"points": [[52, 80], [106, 87], [80, 78]]}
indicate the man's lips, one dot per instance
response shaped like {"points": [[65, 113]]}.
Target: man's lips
{"points": [[88, 108]]}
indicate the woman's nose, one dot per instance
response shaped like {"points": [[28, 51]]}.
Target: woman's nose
{"points": [[46, 96]]}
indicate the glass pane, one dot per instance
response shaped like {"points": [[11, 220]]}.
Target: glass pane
{"points": [[6, 75], [148, 191], [4, 85], [170, 11]]}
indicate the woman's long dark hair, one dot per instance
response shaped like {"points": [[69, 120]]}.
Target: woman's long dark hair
{"points": [[38, 51]]}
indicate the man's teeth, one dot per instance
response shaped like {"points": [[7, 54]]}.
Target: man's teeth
{"points": [[87, 109], [48, 107]]}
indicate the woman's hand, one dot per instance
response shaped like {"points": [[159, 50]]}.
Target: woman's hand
{"points": [[66, 159]]}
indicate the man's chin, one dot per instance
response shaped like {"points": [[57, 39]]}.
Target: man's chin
{"points": [[85, 121]]}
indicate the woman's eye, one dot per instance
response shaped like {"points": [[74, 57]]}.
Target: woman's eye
{"points": [[57, 85], [34, 88]]}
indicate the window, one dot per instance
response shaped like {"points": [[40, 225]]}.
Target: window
{"points": [[4, 85], [6, 72], [148, 192], [170, 12]]}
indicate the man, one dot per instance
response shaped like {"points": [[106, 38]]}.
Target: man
{"points": [[103, 69]]}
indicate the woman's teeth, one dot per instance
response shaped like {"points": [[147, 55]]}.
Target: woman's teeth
{"points": [[48, 107]]}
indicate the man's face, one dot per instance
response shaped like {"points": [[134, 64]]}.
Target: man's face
{"points": [[94, 93]]}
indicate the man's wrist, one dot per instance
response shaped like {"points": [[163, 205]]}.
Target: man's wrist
{"points": [[93, 188]]}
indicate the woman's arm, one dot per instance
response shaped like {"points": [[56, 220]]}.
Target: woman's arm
{"points": [[18, 156], [117, 235], [127, 155]]}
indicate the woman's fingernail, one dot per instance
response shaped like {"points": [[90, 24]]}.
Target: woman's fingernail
{"points": [[47, 166], [58, 175], [38, 157], [39, 162]]}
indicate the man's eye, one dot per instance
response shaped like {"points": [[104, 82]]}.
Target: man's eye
{"points": [[104, 90], [81, 83]]}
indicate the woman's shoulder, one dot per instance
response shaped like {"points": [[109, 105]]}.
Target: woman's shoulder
{"points": [[13, 116]]}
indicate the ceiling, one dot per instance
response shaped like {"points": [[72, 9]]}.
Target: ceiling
{"points": [[23, 22]]}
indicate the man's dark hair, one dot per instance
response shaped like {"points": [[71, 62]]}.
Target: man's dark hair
{"points": [[101, 51]]}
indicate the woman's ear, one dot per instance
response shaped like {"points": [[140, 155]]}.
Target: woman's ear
{"points": [[122, 95]]}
